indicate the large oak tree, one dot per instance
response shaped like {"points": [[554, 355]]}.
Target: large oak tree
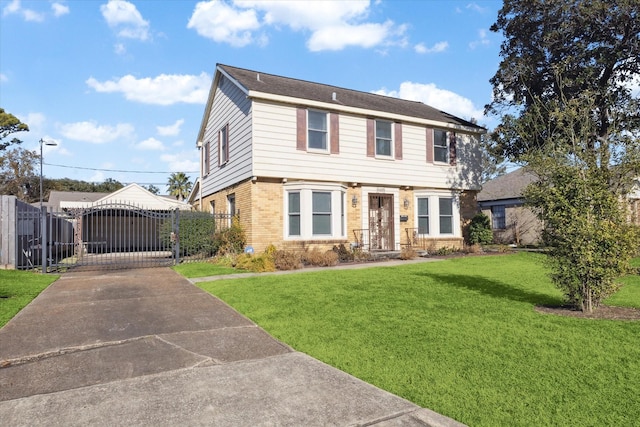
{"points": [[567, 94]]}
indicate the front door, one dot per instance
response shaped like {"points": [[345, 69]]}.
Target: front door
{"points": [[381, 222]]}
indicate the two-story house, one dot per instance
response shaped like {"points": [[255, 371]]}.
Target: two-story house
{"points": [[306, 164]]}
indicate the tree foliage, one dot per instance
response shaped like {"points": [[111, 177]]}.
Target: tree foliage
{"points": [[564, 91], [10, 124], [179, 185], [18, 174]]}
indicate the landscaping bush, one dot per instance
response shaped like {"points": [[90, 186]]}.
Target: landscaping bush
{"points": [[317, 258], [408, 253], [479, 230], [344, 254], [287, 260], [255, 263], [196, 233], [231, 240]]}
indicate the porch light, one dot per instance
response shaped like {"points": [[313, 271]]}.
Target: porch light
{"points": [[354, 201], [406, 203]]}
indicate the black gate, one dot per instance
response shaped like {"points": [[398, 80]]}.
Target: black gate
{"points": [[108, 236]]}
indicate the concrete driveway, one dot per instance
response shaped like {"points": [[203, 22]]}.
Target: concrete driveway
{"points": [[147, 347]]}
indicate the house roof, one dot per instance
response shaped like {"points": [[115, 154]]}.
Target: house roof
{"points": [[55, 197], [255, 81], [132, 194], [507, 186]]}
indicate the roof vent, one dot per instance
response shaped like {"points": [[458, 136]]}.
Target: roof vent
{"points": [[333, 97], [258, 76]]}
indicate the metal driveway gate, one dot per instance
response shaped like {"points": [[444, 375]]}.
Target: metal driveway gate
{"points": [[111, 235]]}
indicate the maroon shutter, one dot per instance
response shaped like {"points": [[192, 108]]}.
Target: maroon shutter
{"points": [[228, 143], [398, 141], [371, 136], [219, 148], [301, 129], [452, 148], [429, 134], [334, 129]]}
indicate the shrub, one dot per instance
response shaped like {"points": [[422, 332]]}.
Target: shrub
{"points": [[231, 240], [408, 253], [318, 258], [344, 254], [287, 260], [196, 233], [255, 263], [480, 230]]}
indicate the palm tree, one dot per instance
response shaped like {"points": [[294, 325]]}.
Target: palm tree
{"points": [[179, 185]]}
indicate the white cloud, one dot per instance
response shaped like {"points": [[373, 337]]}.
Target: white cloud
{"points": [[483, 40], [332, 24], [15, 7], [35, 121], [436, 48], [185, 161], [171, 130], [476, 8], [59, 9], [119, 49], [94, 133], [433, 96], [150, 144], [124, 17], [3, 78], [165, 89], [218, 21]]}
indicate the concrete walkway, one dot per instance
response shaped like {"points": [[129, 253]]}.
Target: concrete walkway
{"points": [[148, 348]]}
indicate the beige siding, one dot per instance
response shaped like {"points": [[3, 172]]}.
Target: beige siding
{"points": [[275, 154]]}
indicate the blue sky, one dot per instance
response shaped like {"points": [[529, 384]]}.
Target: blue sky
{"points": [[121, 85]]}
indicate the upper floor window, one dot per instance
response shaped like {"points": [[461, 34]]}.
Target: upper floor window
{"points": [[384, 142], [498, 218], [317, 133], [223, 145], [440, 146]]}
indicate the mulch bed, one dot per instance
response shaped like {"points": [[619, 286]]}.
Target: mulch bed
{"points": [[602, 312]]}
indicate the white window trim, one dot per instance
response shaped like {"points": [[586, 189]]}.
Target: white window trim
{"points": [[328, 131], [338, 221], [392, 140], [434, 212]]}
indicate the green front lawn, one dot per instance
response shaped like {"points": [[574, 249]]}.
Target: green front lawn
{"points": [[459, 336], [17, 289]]}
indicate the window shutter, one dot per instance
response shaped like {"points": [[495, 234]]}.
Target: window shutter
{"points": [[452, 148], [207, 149], [228, 143], [429, 134], [218, 149], [334, 124], [301, 129], [397, 141], [371, 136]]}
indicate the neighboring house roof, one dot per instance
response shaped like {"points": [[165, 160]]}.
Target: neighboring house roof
{"points": [[255, 83], [55, 197], [194, 194], [132, 194], [507, 186]]}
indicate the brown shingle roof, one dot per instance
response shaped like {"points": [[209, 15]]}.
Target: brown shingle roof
{"points": [[285, 86], [507, 186], [55, 197]]}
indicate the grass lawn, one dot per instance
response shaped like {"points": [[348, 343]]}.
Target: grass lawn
{"points": [[204, 269], [460, 337], [17, 289]]}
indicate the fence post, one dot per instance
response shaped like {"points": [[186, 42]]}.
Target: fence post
{"points": [[176, 230], [43, 238]]}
